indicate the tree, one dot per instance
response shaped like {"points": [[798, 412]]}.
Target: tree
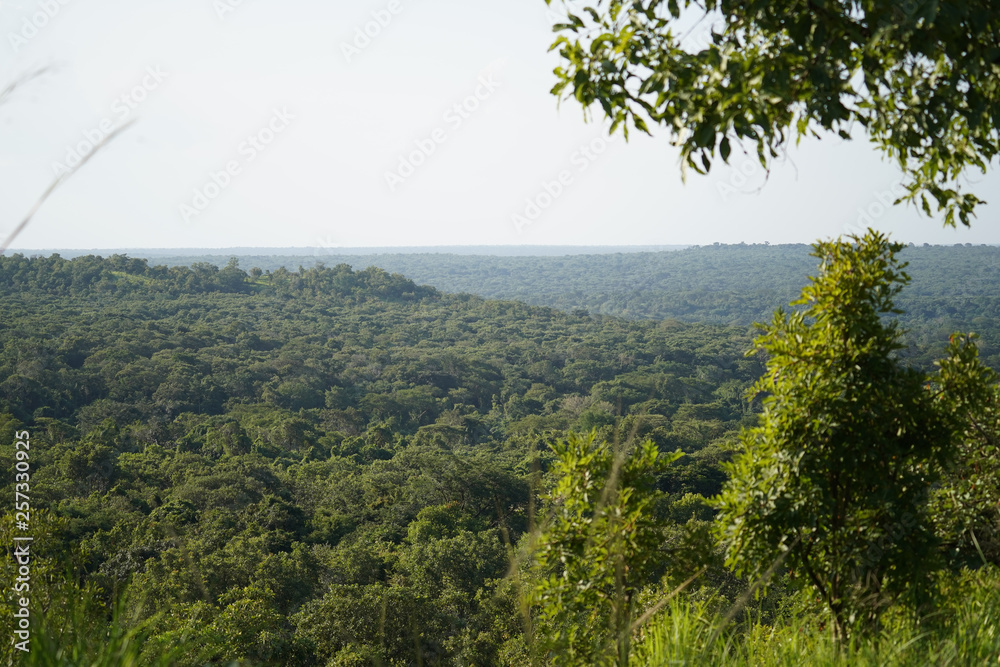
{"points": [[836, 477], [967, 503], [594, 553], [921, 78]]}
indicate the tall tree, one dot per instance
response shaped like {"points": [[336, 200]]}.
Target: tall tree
{"points": [[967, 503], [836, 477]]}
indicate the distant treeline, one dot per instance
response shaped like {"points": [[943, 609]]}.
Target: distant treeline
{"points": [[954, 287]]}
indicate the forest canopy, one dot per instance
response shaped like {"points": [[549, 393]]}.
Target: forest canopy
{"points": [[334, 466], [309, 449]]}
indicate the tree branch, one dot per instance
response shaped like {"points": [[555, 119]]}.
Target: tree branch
{"points": [[59, 181]]}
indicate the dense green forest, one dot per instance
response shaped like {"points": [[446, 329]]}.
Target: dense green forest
{"points": [[954, 288], [281, 462], [343, 467], [725, 455]]}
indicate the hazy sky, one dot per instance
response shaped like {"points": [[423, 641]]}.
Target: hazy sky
{"points": [[274, 124]]}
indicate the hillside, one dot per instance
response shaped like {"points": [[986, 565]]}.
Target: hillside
{"points": [[954, 288], [320, 446]]}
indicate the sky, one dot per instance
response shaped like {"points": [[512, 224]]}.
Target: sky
{"points": [[376, 123]]}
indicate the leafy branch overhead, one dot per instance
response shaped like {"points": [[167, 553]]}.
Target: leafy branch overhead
{"points": [[920, 77]]}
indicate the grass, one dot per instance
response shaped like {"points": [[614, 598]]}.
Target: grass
{"points": [[81, 631], [963, 630]]}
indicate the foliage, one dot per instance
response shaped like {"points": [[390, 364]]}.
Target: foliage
{"points": [[836, 477], [333, 466], [965, 631], [258, 469], [953, 288], [920, 78], [967, 504], [595, 549], [73, 622]]}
